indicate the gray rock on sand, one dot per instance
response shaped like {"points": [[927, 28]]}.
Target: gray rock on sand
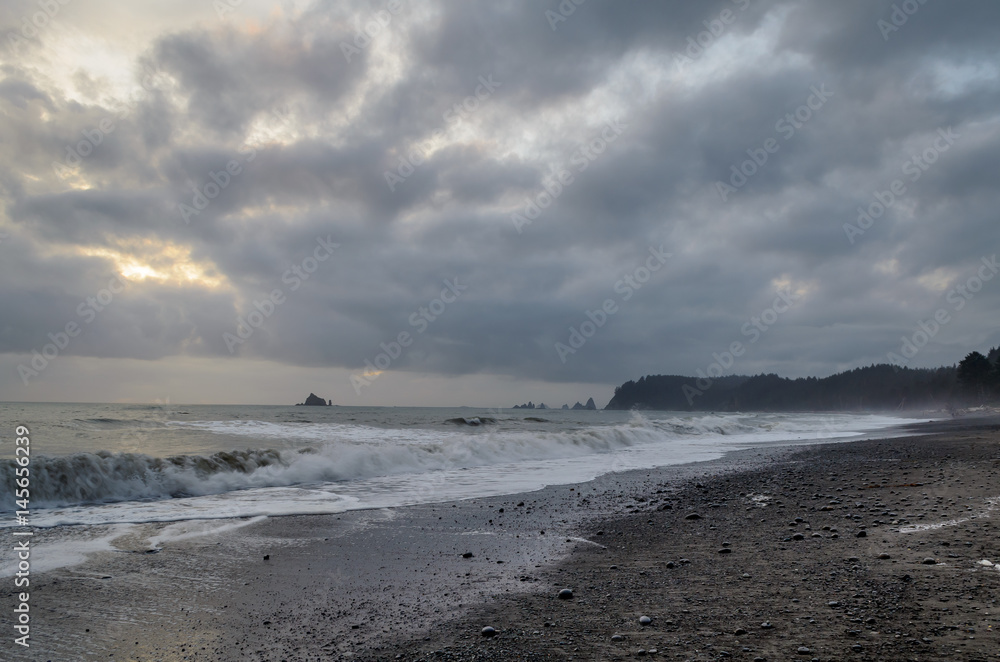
{"points": [[884, 556], [692, 516], [929, 561], [802, 650], [645, 620], [617, 637], [488, 632], [565, 594]]}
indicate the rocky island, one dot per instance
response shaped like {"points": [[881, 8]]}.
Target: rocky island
{"points": [[314, 401]]}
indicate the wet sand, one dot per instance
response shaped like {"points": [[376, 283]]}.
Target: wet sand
{"points": [[395, 584]]}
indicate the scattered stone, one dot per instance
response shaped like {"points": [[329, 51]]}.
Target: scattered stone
{"points": [[617, 637], [802, 650], [861, 534], [267, 556], [692, 516], [833, 603], [671, 564], [884, 556], [488, 632], [565, 594], [645, 620], [739, 632], [468, 555], [798, 536], [766, 625], [929, 561], [725, 550]]}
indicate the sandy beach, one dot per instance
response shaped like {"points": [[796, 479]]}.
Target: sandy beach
{"points": [[870, 550]]}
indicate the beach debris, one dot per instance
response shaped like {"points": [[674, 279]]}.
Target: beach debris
{"points": [[267, 557], [488, 632], [645, 620], [929, 561], [692, 516], [566, 594], [986, 562]]}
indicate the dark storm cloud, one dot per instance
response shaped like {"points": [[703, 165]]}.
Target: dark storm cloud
{"points": [[312, 134]]}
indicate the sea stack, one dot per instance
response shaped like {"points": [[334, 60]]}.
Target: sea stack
{"points": [[314, 401]]}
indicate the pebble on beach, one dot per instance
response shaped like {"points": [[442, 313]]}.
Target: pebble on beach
{"points": [[488, 632], [565, 594], [645, 620]]}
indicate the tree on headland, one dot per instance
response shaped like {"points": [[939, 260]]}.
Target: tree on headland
{"points": [[975, 374]]}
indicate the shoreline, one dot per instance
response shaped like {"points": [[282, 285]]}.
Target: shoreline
{"points": [[375, 584]]}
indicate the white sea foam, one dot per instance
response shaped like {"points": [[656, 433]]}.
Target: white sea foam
{"points": [[324, 467]]}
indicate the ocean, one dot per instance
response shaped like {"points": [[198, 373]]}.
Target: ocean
{"points": [[100, 464]]}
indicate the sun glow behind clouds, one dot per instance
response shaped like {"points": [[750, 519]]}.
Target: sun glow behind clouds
{"points": [[159, 261]]}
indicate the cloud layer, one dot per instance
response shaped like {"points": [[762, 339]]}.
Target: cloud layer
{"points": [[541, 154]]}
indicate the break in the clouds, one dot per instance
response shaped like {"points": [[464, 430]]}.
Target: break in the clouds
{"points": [[393, 199]]}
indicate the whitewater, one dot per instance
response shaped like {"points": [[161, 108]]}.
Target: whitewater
{"points": [[119, 464]]}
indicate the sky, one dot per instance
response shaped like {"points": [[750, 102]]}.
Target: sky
{"points": [[484, 203]]}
